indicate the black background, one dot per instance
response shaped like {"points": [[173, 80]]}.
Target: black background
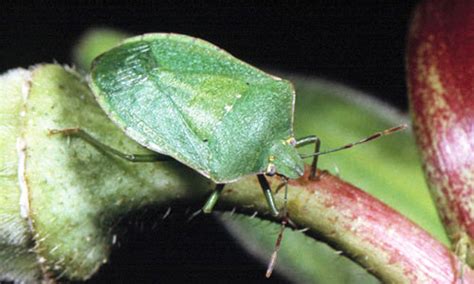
{"points": [[360, 43]]}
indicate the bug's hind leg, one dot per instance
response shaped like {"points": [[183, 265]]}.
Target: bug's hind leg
{"points": [[267, 191], [317, 146], [77, 132], [212, 200]]}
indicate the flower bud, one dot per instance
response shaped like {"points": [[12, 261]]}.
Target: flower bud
{"points": [[440, 70]]}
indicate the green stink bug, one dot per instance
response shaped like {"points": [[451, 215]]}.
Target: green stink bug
{"points": [[187, 99]]}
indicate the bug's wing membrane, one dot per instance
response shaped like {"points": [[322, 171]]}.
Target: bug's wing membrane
{"points": [[130, 92]]}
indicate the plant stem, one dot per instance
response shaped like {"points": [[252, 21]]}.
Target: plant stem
{"points": [[368, 231]]}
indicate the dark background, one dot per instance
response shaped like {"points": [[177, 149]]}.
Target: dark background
{"points": [[359, 43]]}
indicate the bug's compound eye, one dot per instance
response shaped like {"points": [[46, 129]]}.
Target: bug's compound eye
{"points": [[291, 141]]}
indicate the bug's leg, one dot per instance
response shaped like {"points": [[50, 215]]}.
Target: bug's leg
{"points": [[212, 200], [284, 221], [267, 191], [107, 149], [317, 146]]}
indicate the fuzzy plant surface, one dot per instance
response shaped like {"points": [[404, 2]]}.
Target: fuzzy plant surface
{"points": [[61, 197]]}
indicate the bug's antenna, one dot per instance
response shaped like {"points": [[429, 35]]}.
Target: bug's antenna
{"points": [[367, 139], [284, 221]]}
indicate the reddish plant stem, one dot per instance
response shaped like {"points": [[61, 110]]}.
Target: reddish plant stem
{"points": [[368, 231], [440, 69]]}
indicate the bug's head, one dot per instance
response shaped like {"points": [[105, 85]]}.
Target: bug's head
{"points": [[284, 160]]}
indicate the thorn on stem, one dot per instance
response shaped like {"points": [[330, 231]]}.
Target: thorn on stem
{"points": [[194, 215], [167, 213]]}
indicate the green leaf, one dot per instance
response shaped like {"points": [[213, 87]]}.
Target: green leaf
{"points": [[388, 168]]}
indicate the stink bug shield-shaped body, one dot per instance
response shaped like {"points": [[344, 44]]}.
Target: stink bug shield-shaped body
{"points": [[185, 98], [188, 99]]}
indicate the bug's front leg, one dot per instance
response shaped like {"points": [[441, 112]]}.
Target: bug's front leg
{"points": [[267, 191], [107, 149], [317, 146]]}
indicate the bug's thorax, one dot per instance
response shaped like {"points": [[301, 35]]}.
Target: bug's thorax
{"points": [[284, 159]]}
